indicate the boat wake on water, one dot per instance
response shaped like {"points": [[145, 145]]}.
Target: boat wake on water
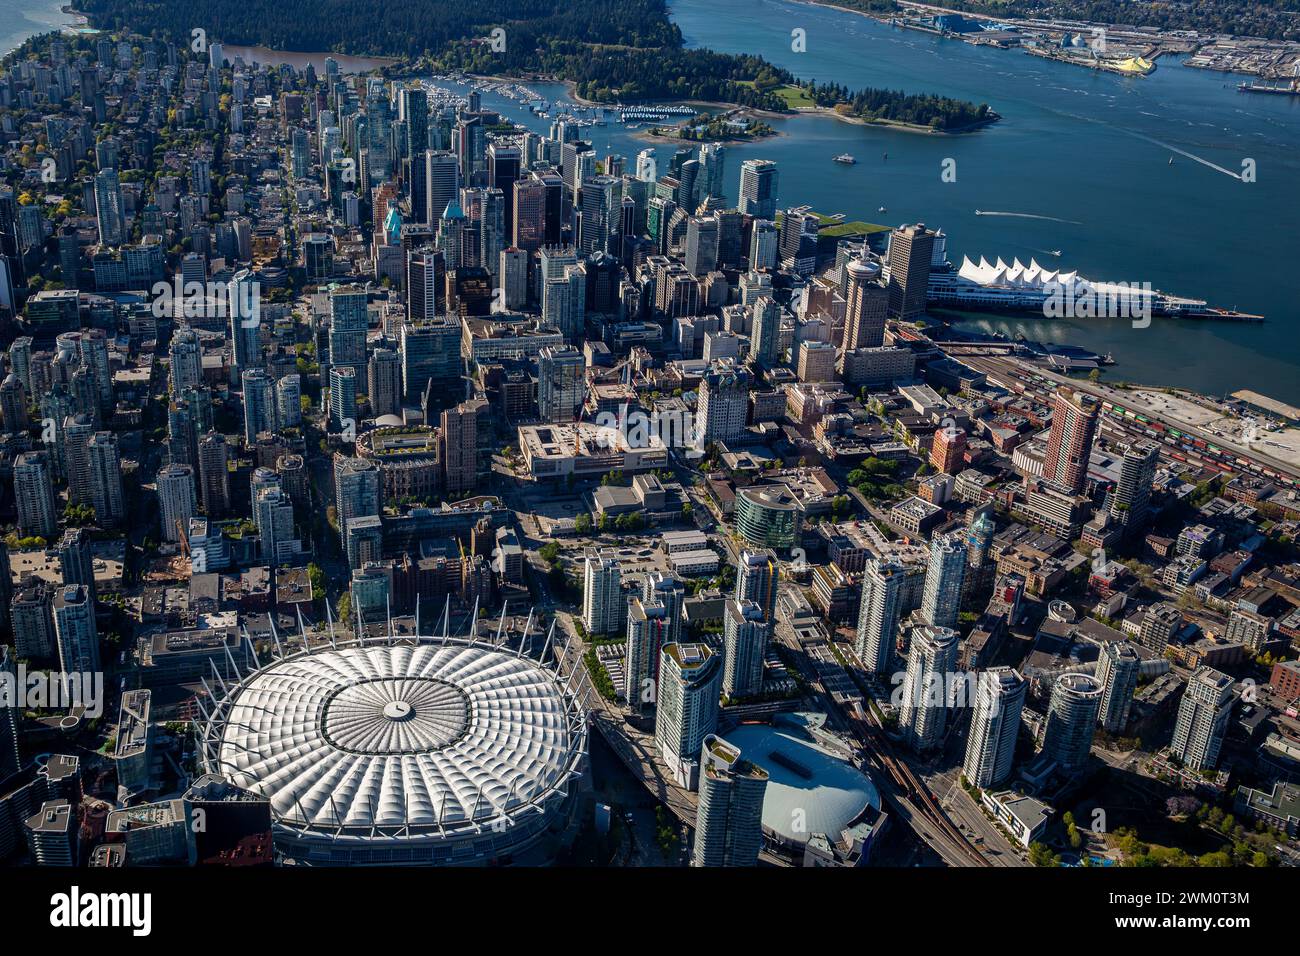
{"points": [[1028, 215], [1156, 142]]}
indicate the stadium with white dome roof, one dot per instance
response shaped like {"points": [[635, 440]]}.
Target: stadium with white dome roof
{"points": [[429, 750]]}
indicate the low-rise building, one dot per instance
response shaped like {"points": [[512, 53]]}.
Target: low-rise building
{"points": [[1277, 807], [1024, 817], [584, 450]]}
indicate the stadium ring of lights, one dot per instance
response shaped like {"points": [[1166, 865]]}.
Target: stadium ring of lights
{"points": [[417, 750]]}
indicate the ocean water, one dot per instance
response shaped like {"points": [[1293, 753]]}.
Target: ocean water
{"points": [[1086, 153], [1088, 150], [20, 19]]}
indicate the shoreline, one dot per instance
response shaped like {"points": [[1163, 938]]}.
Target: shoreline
{"points": [[899, 125], [815, 111], [298, 59], [63, 17], [649, 136], [570, 87], [1024, 23]]}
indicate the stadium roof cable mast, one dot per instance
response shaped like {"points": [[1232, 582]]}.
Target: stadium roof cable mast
{"points": [[420, 749]]}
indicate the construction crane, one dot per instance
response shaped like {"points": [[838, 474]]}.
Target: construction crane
{"points": [[623, 366]]}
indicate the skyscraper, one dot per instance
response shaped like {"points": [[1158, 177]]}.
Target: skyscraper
{"points": [[529, 215], [931, 663], [561, 383], [799, 232], [110, 213], [244, 296], [92, 347], [34, 495], [273, 514], [493, 236], [384, 383], [214, 475], [513, 277], [343, 401], [758, 580], [105, 467], [431, 361], [603, 603], [766, 336], [504, 163], [744, 639], [660, 212], [564, 303], [458, 448], [259, 404], [31, 613], [357, 491], [349, 321], [1069, 444], [442, 184], [76, 559], [758, 188], [577, 162], [602, 199], [11, 760], [413, 109], [426, 284], [1203, 719], [6, 585], [995, 722], [1072, 720], [943, 581], [883, 583], [13, 404], [701, 245], [910, 251], [288, 401], [658, 587], [723, 402], [729, 817], [764, 245], [77, 431], [1117, 669], [451, 236], [817, 360], [176, 500], [1129, 502], [687, 709], [186, 360], [647, 633], [867, 307], [74, 629]]}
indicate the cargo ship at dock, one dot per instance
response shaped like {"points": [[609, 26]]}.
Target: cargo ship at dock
{"points": [[1291, 89]]}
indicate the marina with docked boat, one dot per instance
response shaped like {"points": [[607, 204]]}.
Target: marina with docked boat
{"points": [[1212, 348]]}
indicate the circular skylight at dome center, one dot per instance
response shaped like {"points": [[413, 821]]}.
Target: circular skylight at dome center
{"points": [[404, 715]]}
